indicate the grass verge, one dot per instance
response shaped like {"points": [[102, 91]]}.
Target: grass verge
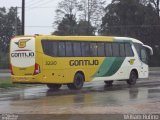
{"points": [[7, 83], [154, 68]]}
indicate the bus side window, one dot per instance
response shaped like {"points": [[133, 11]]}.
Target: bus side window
{"points": [[61, 49], [69, 51], [122, 50], [45, 47], [85, 49], [93, 49], [101, 52], [108, 49], [49, 47], [54, 48], [115, 48], [128, 49], [77, 49]]}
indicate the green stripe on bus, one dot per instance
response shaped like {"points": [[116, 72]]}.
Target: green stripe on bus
{"points": [[109, 66]]}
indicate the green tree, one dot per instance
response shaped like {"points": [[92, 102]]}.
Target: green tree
{"points": [[83, 28], [128, 18], [65, 7], [92, 11], [154, 3], [8, 27], [67, 26], [83, 10]]}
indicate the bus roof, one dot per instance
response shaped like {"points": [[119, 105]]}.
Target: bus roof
{"points": [[128, 38], [86, 38]]}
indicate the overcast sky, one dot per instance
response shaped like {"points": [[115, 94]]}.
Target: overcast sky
{"points": [[39, 14]]}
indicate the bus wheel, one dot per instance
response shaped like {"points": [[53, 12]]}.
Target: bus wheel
{"points": [[109, 83], [132, 79], [77, 83], [54, 86]]}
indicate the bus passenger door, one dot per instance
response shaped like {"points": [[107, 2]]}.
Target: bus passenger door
{"points": [[144, 63]]}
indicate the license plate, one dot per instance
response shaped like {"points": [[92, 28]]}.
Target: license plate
{"points": [[22, 79]]}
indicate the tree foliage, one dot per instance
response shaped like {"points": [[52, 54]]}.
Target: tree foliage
{"points": [[67, 26], [66, 7], [154, 3], [84, 28], [86, 12], [8, 27], [92, 11]]}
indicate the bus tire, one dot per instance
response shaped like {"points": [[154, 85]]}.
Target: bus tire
{"points": [[54, 86], [109, 83], [77, 83], [133, 78]]}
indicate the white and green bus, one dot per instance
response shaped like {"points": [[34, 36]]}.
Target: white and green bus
{"points": [[73, 60]]}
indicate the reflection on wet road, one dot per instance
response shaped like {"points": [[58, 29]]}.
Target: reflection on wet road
{"points": [[95, 97]]}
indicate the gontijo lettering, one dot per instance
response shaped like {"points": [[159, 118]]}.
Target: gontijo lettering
{"points": [[83, 62], [27, 54]]}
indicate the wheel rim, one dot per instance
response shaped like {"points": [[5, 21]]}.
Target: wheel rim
{"points": [[79, 81]]}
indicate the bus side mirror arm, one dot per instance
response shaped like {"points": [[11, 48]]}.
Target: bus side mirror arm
{"points": [[149, 48]]}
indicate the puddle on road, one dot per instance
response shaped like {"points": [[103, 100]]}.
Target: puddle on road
{"points": [[88, 96], [154, 93]]}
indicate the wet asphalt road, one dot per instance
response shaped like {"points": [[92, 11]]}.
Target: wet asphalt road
{"points": [[94, 98], [4, 75]]}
